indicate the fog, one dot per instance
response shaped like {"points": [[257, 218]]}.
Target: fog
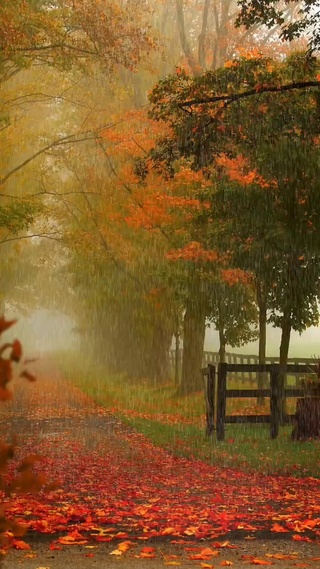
{"points": [[44, 332], [305, 345]]}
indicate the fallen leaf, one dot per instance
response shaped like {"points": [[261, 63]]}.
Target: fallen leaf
{"points": [[281, 556], [116, 552], [54, 546], [20, 544], [210, 552], [168, 531], [147, 549], [298, 537], [124, 546], [278, 529]]}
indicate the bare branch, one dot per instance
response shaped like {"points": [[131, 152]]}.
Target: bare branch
{"points": [[50, 47], [42, 235], [63, 141]]}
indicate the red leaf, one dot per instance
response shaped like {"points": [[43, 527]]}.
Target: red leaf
{"points": [[297, 537], [54, 546], [147, 550], [5, 372], [5, 394], [28, 375], [16, 352], [19, 544], [278, 529]]}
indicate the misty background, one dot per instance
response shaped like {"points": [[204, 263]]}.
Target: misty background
{"points": [[50, 331]]}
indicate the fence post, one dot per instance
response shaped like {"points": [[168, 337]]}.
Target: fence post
{"points": [[274, 402], [210, 388], [221, 399]]}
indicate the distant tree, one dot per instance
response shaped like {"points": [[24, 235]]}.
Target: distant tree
{"points": [[233, 314], [293, 19]]}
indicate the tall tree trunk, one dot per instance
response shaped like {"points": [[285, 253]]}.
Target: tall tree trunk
{"points": [[222, 346], [194, 327], [158, 364], [177, 358], [283, 359], [262, 303]]}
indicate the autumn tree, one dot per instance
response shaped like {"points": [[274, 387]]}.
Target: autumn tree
{"points": [[45, 50], [67, 33], [233, 314], [255, 156], [207, 40]]}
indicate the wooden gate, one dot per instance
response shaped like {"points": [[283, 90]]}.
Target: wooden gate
{"points": [[216, 396]]}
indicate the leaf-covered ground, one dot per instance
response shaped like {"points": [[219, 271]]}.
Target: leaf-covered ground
{"points": [[117, 488]]}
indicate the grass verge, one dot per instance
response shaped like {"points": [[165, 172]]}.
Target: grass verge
{"points": [[178, 424]]}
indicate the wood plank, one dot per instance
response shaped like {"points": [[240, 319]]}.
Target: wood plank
{"points": [[295, 368], [252, 419], [247, 393], [250, 393]]}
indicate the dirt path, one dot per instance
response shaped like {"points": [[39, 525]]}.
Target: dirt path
{"points": [[117, 488]]}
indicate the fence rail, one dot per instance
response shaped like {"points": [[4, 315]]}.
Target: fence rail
{"points": [[216, 404], [249, 370]]}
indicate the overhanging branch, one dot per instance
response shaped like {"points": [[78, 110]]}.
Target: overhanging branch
{"points": [[249, 93], [63, 141]]}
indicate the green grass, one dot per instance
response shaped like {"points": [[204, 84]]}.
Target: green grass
{"points": [[177, 423]]}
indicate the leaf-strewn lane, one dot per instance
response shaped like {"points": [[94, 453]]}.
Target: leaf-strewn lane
{"points": [[115, 483]]}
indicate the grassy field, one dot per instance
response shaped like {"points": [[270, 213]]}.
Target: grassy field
{"points": [[178, 423]]}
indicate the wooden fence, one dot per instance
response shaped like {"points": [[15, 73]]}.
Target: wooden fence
{"points": [[242, 373], [216, 395]]}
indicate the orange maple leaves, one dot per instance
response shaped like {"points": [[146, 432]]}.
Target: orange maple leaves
{"points": [[193, 251], [15, 353], [238, 170]]}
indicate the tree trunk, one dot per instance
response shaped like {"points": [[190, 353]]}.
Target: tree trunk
{"points": [[177, 358], [307, 424], [283, 360], [222, 347], [159, 360], [194, 326], [262, 303]]}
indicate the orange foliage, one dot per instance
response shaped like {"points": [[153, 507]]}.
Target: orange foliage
{"points": [[238, 170], [236, 276], [193, 251]]}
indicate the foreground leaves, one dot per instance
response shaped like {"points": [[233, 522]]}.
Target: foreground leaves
{"points": [[120, 487]]}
